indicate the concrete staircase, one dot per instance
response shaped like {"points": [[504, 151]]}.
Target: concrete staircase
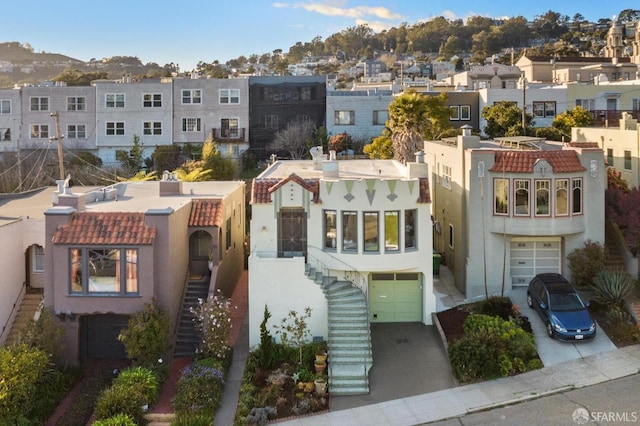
{"points": [[349, 342], [613, 258], [159, 419], [188, 338], [28, 308]]}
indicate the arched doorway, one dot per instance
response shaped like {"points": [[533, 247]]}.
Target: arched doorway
{"points": [[201, 252]]}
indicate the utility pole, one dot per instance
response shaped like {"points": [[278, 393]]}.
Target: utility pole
{"points": [[58, 138], [523, 82]]}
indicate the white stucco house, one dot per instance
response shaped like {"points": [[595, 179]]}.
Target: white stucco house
{"points": [[352, 240], [508, 209]]}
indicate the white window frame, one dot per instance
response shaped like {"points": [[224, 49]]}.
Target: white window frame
{"points": [[576, 186], [114, 100], [628, 163], [544, 109], [505, 190], [229, 97], [344, 118], [193, 123], [5, 106], [152, 128], [376, 117], [76, 103], [445, 180], [465, 112], [39, 131], [152, 100], [76, 131], [37, 257], [454, 113], [191, 96], [41, 104], [114, 128]]}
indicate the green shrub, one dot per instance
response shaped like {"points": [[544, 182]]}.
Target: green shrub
{"points": [[495, 306], [474, 357], [585, 263], [146, 336], [618, 315], [139, 380], [612, 287], [117, 420], [120, 400], [199, 390], [200, 419]]}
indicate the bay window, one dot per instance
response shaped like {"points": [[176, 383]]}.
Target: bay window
{"points": [[371, 232], [107, 271]]}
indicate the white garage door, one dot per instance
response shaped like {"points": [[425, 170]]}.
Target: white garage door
{"points": [[533, 256]]}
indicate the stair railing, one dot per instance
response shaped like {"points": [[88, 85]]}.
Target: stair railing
{"points": [[351, 274], [14, 308]]}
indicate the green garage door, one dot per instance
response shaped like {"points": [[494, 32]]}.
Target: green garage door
{"points": [[395, 297]]}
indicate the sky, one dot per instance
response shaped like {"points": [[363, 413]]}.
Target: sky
{"points": [[191, 31]]}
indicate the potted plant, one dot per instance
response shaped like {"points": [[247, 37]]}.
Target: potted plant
{"points": [[210, 262], [321, 385], [320, 366]]}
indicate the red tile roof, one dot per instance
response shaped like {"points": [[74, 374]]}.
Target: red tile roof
{"points": [[584, 145], [523, 161], [262, 188], [206, 212], [109, 228]]}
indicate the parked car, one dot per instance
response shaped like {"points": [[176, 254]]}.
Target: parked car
{"points": [[565, 315]]}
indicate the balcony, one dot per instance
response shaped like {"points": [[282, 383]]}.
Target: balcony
{"points": [[610, 118], [228, 135]]}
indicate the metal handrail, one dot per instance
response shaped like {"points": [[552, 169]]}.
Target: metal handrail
{"points": [[351, 274], [22, 292]]}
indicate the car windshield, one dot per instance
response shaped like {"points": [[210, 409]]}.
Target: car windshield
{"points": [[565, 302]]}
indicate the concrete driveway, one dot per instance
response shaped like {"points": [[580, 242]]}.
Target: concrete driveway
{"points": [[553, 351]]}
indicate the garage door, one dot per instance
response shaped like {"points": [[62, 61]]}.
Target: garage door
{"points": [[533, 256], [100, 336], [395, 297]]}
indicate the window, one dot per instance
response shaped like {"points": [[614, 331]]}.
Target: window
{"points": [[39, 131], [451, 236], [380, 117], [344, 118], [454, 113], [562, 197], [114, 100], [112, 271], [5, 106], [588, 104], [501, 196], [410, 228], [635, 104], [228, 233], [371, 232], [446, 176], [610, 157], [229, 127], [152, 100], [330, 229], [521, 188], [627, 160], [76, 103], [152, 128], [192, 96], [39, 104], [191, 124], [350, 231], [391, 231], [576, 207], [229, 96], [465, 112], [5, 134], [270, 121], [76, 131], [37, 255], [115, 128], [542, 197], [544, 109]]}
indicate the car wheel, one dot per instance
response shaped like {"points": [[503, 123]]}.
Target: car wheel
{"points": [[529, 301], [549, 330]]}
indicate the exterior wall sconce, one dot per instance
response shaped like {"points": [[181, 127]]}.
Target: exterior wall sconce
{"points": [[263, 229], [70, 315]]}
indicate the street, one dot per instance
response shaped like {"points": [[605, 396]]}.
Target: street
{"points": [[611, 403]]}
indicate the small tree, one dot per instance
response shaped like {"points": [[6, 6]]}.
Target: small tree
{"points": [[132, 160], [295, 139], [505, 119], [145, 338], [340, 142], [213, 320], [577, 117], [381, 147], [266, 352], [294, 330], [585, 263], [221, 168]]}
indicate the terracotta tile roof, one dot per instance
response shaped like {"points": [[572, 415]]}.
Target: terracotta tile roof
{"points": [[424, 196], [584, 145], [262, 188], [523, 161], [108, 228], [206, 212]]}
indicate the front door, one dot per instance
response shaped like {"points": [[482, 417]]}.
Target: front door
{"points": [[292, 233]]}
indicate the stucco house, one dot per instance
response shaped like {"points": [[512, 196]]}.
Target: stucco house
{"points": [[352, 240], [111, 250], [508, 209]]}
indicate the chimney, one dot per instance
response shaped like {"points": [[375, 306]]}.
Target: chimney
{"points": [[170, 185], [330, 167]]}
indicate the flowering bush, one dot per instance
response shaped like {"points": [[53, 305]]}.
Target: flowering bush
{"points": [[199, 391], [213, 320]]}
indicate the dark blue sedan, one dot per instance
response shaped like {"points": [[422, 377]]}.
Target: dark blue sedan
{"points": [[559, 305]]}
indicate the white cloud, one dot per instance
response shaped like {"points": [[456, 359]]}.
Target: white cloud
{"points": [[336, 8]]}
